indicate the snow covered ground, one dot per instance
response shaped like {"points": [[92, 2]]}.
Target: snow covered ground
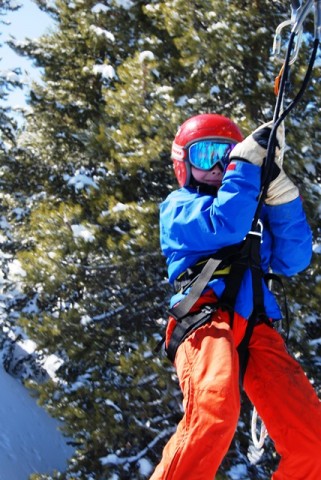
{"points": [[30, 441]]}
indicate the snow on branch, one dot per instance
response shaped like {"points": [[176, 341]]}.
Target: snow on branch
{"points": [[100, 32], [113, 459]]}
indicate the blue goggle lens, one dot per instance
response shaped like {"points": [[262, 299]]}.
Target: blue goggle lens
{"points": [[205, 154]]}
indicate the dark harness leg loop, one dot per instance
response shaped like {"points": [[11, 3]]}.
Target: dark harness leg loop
{"points": [[187, 326]]}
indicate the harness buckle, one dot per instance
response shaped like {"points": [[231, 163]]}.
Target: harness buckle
{"points": [[258, 232]]}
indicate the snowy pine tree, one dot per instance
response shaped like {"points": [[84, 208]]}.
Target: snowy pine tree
{"points": [[118, 79], [11, 198]]}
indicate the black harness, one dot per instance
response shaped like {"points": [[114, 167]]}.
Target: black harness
{"points": [[232, 262]]}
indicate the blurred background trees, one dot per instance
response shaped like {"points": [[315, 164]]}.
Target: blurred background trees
{"points": [[81, 184]]}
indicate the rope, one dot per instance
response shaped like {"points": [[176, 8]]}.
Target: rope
{"points": [[258, 442]]}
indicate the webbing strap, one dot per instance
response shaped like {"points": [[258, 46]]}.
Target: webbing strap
{"points": [[233, 283], [250, 260], [274, 277], [182, 309], [184, 328]]}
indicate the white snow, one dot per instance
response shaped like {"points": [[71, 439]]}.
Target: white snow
{"points": [[217, 26], [80, 180], [100, 8], [14, 4], [25, 347], [126, 4], [146, 55], [15, 270], [310, 167], [119, 207], [85, 320], [79, 231], [106, 71], [100, 32], [316, 248], [10, 76], [51, 363], [214, 90], [145, 467], [30, 441]]}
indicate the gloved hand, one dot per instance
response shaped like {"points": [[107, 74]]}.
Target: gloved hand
{"points": [[253, 148], [281, 188]]}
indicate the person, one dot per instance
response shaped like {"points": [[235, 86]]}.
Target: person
{"points": [[219, 174]]}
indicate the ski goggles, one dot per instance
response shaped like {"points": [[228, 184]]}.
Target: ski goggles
{"points": [[205, 154]]}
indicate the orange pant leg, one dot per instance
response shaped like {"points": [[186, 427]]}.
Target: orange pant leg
{"points": [[287, 403], [207, 369]]}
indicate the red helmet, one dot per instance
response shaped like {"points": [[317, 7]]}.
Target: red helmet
{"points": [[207, 125]]}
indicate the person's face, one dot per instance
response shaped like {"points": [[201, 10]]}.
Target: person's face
{"points": [[210, 177]]}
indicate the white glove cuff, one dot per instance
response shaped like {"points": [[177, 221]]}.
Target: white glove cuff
{"points": [[281, 190]]}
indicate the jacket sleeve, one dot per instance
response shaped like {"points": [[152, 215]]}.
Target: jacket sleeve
{"points": [[291, 237], [194, 225]]}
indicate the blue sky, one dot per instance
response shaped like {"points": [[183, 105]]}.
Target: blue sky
{"points": [[29, 22]]}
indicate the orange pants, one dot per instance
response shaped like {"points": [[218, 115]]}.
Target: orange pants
{"points": [[208, 371]]}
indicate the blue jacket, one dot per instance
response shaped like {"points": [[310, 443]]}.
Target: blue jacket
{"points": [[195, 225]]}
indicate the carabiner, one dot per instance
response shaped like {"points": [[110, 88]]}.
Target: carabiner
{"points": [[277, 43], [300, 16], [299, 13]]}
